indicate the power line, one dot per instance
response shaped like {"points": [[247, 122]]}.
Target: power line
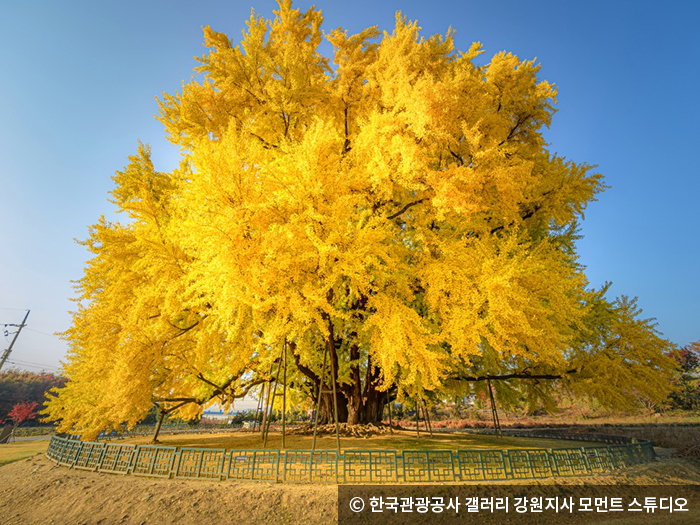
{"points": [[23, 362], [19, 362], [43, 333], [41, 367]]}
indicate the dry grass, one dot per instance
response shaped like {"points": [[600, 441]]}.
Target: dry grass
{"points": [[10, 452], [562, 420], [684, 439], [400, 440]]}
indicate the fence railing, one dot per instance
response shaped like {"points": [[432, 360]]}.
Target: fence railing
{"points": [[353, 466]]}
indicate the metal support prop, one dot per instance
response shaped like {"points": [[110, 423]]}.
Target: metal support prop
{"points": [[262, 402], [272, 393], [494, 410], [284, 395], [259, 416], [417, 420], [322, 391], [335, 403], [426, 419], [267, 410]]}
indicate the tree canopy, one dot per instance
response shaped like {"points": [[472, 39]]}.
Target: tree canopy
{"points": [[394, 204]]}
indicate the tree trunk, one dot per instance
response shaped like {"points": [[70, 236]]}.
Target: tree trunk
{"points": [[356, 411], [359, 406], [365, 405], [374, 406], [353, 391], [355, 404], [325, 412], [160, 422]]}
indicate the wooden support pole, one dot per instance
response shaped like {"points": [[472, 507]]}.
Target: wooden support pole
{"points": [[7, 352]]}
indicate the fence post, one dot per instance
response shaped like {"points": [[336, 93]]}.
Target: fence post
{"points": [[103, 451], [586, 460], [76, 455], [175, 464], [132, 460]]}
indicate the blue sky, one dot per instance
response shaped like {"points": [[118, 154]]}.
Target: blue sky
{"points": [[78, 91]]}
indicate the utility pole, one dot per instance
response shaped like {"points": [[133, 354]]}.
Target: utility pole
{"points": [[6, 353]]}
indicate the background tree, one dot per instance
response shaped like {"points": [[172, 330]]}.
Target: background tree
{"points": [[22, 412], [22, 386], [686, 395], [398, 209]]}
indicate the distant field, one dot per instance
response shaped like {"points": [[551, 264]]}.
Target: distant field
{"points": [[10, 452]]}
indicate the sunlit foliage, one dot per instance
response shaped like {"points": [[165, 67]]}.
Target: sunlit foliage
{"points": [[395, 204]]}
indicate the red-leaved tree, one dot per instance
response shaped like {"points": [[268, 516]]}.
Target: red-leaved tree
{"points": [[686, 395], [22, 412], [25, 387]]}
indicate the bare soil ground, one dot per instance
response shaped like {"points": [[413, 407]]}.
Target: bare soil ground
{"points": [[35, 490]]}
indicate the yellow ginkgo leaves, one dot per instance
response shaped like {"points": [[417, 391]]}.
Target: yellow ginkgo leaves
{"points": [[394, 204]]}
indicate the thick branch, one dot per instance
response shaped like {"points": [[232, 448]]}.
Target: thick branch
{"points": [[402, 210], [173, 409], [249, 386], [517, 375], [346, 144], [217, 387], [183, 331], [265, 143], [529, 214], [522, 119], [302, 368], [174, 399]]}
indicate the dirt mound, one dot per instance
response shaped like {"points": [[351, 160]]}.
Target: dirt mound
{"points": [[35, 490], [345, 430]]}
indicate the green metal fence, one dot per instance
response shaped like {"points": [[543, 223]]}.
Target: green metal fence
{"points": [[353, 466]]}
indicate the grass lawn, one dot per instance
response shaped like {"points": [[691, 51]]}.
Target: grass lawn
{"points": [[10, 452], [400, 440]]}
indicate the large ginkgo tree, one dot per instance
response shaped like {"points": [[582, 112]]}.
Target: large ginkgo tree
{"points": [[394, 206]]}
